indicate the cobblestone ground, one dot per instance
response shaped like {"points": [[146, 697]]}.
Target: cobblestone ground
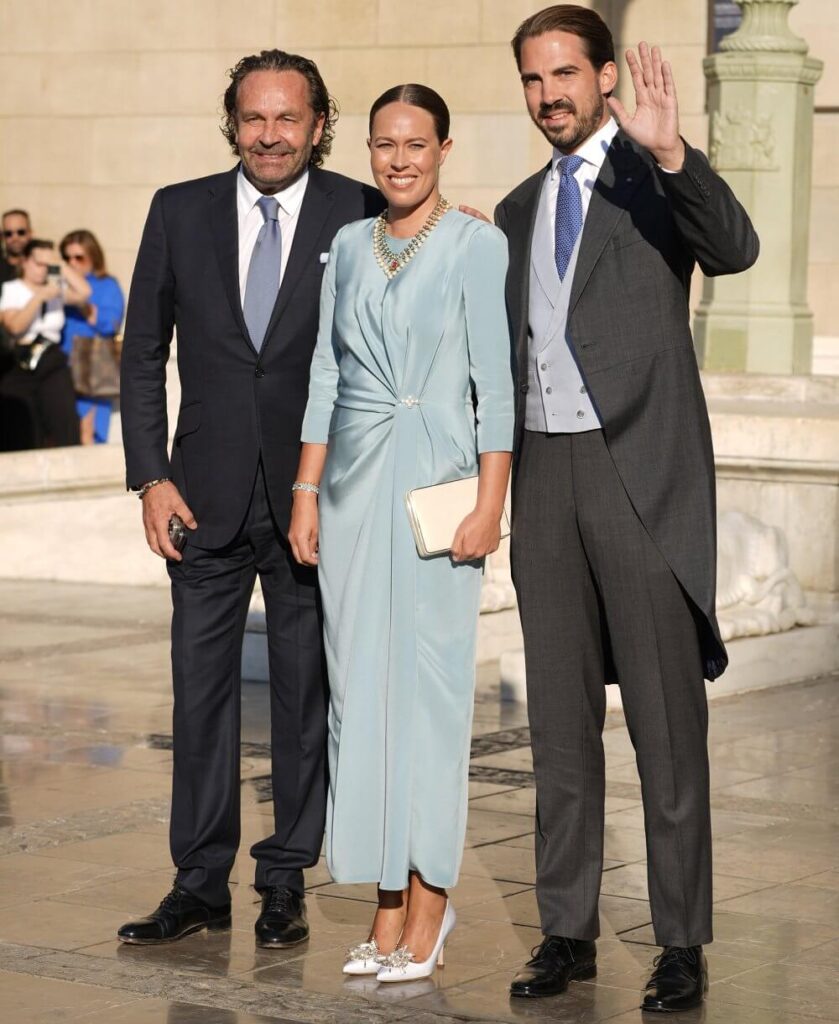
{"points": [[85, 712]]}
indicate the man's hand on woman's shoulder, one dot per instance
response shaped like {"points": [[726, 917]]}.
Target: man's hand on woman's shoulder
{"points": [[472, 212]]}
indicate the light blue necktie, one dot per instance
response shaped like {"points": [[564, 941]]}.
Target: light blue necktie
{"points": [[569, 213], [263, 281]]}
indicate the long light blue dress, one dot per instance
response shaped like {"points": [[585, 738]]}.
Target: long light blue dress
{"points": [[391, 394]]}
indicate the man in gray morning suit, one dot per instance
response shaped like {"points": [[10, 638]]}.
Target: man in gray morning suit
{"points": [[614, 546]]}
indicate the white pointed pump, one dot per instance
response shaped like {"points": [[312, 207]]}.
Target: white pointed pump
{"points": [[363, 959], [400, 965]]}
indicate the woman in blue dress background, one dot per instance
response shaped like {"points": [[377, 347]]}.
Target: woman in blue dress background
{"points": [[411, 385], [102, 315]]}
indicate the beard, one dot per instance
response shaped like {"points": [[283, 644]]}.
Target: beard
{"points": [[275, 174], [581, 125]]}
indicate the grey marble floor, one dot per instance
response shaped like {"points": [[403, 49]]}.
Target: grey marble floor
{"points": [[84, 786]]}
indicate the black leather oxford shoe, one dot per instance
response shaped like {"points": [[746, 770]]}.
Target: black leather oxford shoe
{"points": [[679, 980], [283, 919], [555, 963], [179, 914]]}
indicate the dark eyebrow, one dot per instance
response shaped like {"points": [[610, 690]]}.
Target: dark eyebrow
{"points": [[387, 138], [532, 76], [282, 112]]}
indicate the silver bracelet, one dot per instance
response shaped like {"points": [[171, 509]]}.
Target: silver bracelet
{"points": [[144, 490], [303, 485]]}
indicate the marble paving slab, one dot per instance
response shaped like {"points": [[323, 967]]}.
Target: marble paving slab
{"points": [[85, 761]]}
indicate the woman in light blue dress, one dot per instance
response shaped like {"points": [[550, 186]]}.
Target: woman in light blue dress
{"points": [[411, 385]]}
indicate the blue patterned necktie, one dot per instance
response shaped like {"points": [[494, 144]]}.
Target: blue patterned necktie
{"points": [[263, 281], [569, 213]]}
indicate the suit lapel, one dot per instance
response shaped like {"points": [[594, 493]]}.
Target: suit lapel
{"points": [[521, 223], [622, 172], [317, 204], [224, 219]]}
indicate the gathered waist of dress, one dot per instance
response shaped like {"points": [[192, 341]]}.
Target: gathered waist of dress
{"points": [[366, 401]]}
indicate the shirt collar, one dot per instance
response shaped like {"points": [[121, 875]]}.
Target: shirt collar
{"points": [[593, 150], [290, 199]]}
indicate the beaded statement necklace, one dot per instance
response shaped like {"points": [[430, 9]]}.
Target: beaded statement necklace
{"points": [[392, 262]]}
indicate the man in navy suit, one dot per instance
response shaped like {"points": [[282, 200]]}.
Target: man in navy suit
{"points": [[233, 262]]}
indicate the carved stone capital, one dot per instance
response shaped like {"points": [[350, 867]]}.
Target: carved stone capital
{"points": [[762, 66], [764, 28]]}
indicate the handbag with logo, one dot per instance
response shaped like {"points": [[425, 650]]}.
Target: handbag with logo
{"points": [[435, 513], [94, 363]]}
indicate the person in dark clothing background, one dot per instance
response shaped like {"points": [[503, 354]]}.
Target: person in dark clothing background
{"points": [[37, 391]]}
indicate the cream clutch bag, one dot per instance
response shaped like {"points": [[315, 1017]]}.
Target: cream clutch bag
{"points": [[435, 513]]}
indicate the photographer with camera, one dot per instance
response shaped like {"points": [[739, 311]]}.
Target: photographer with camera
{"points": [[39, 386]]}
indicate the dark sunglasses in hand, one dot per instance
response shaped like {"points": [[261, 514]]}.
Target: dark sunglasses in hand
{"points": [[20, 232]]}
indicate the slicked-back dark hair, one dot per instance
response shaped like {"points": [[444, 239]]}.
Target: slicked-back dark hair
{"points": [[416, 96], [278, 60], [579, 21]]}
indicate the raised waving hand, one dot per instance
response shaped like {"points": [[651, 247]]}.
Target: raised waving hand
{"points": [[655, 123]]}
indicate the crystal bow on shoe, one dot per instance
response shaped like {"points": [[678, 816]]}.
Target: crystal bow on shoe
{"points": [[365, 951], [402, 965], [398, 959]]}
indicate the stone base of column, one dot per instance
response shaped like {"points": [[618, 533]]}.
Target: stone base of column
{"points": [[731, 338]]}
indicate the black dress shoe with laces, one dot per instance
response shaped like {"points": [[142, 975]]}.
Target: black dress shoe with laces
{"points": [[555, 963], [283, 919], [679, 980], [180, 913]]}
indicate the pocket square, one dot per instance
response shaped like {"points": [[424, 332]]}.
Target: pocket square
{"points": [[324, 257]]}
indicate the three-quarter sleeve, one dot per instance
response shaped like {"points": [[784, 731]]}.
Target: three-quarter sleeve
{"points": [[488, 333], [323, 377]]}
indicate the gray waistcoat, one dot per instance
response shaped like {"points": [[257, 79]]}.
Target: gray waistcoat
{"points": [[557, 397]]}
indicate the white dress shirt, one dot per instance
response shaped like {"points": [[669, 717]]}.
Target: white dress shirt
{"points": [[251, 220]]}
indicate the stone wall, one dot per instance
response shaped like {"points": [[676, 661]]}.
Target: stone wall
{"points": [[105, 100]]}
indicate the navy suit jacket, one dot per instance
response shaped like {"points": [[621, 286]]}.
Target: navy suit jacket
{"points": [[237, 405]]}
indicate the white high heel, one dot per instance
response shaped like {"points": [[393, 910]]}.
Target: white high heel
{"points": [[400, 964], [363, 959]]}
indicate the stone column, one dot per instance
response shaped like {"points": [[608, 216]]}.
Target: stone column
{"points": [[760, 101]]}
